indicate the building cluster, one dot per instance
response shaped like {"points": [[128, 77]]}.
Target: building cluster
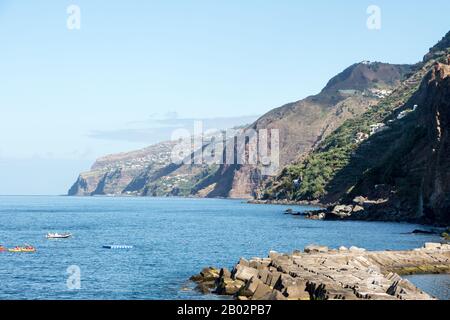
{"points": [[380, 93]]}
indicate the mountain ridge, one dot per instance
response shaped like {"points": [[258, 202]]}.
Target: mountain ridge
{"points": [[302, 125], [361, 170]]}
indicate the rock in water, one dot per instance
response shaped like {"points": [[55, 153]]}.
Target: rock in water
{"points": [[206, 280], [316, 249]]}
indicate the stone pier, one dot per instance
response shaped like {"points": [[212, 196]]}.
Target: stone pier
{"points": [[319, 273]]}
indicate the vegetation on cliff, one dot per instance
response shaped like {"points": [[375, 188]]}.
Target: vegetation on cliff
{"points": [[316, 171], [386, 157]]}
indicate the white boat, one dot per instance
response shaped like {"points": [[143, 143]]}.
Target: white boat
{"points": [[58, 235]]}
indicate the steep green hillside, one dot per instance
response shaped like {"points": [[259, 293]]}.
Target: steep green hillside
{"points": [[335, 166]]}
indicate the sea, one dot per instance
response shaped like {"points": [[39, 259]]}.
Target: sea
{"points": [[171, 238]]}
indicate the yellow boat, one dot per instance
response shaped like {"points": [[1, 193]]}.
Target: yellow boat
{"points": [[23, 249]]}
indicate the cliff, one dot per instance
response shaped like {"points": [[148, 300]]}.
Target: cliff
{"points": [[302, 125], [388, 163], [112, 174], [411, 180]]}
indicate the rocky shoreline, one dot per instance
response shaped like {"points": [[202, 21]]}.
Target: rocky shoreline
{"points": [[286, 202], [360, 209], [320, 273]]}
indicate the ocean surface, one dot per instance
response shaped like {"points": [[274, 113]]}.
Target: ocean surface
{"points": [[172, 238]]}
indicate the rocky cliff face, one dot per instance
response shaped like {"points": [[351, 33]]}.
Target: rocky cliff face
{"points": [[389, 163], [434, 201], [305, 123], [112, 174], [302, 125], [439, 50], [411, 180]]}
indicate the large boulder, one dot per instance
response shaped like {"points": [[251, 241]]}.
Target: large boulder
{"points": [[210, 274], [292, 288], [250, 288], [316, 249], [357, 209], [326, 290], [342, 211], [255, 289], [272, 278], [244, 262], [282, 263], [229, 287], [263, 275], [317, 215], [354, 249], [207, 274], [244, 273], [225, 273], [206, 280], [432, 246], [274, 254], [297, 292], [262, 291]]}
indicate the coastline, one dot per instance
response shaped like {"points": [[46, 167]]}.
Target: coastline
{"points": [[320, 273]]}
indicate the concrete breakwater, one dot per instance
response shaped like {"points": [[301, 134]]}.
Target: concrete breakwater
{"points": [[320, 273]]}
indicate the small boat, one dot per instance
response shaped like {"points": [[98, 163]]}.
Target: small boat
{"points": [[2, 249], [16, 249], [117, 247], [28, 249], [58, 236]]}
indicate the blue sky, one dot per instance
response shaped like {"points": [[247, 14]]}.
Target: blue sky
{"points": [[69, 96]]}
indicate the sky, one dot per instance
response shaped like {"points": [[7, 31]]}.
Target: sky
{"points": [[136, 70]]}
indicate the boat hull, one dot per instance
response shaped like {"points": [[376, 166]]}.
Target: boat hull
{"points": [[61, 236]]}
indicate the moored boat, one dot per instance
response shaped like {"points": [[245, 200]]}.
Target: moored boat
{"points": [[58, 235]]}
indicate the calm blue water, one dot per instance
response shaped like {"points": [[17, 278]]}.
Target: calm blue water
{"points": [[436, 285], [172, 238]]}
